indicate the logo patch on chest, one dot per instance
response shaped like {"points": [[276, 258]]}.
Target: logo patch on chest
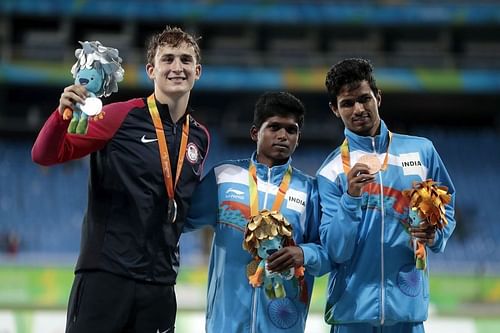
{"points": [[411, 164], [192, 153], [296, 201]]}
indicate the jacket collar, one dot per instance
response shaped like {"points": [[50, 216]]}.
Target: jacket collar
{"points": [[275, 173], [164, 113], [367, 143]]}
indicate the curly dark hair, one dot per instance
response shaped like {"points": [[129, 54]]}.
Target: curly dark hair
{"points": [[272, 104], [350, 72], [172, 36]]}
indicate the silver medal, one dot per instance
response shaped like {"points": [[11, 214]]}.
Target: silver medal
{"points": [[172, 210], [92, 106]]}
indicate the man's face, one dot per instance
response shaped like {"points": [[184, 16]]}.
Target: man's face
{"points": [[358, 109], [276, 139], [174, 71]]}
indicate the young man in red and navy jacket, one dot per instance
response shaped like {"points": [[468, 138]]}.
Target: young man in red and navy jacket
{"points": [[146, 158]]}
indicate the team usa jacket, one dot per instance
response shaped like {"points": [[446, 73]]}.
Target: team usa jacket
{"points": [[221, 201], [125, 229], [376, 281]]}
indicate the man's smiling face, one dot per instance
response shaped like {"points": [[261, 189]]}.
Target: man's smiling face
{"points": [[175, 70], [358, 109]]}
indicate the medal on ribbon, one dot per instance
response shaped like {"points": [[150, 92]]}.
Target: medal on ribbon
{"points": [[266, 232], [172, 210], [165, 158], [371, 160]]}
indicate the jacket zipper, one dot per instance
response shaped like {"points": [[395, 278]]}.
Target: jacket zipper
{"points": [[254, 310], [254, 305], [382, 229], [268, 183]]}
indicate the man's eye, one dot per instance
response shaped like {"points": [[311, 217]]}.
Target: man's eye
{"points": [[365, 99], [347, 104], [292, 130]]}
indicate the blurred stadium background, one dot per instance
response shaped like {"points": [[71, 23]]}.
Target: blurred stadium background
{"points": [[437, 62]]}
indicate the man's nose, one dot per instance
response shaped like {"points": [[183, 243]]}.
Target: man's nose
{"points": [[359, 107], [177, 65], [282, 134]]}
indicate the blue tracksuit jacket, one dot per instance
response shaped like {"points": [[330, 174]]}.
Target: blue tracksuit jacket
{"points": [[222, 202], [375, 279]]}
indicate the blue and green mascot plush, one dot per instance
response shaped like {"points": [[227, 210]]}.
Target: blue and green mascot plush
{"points": [[265, 234], [99, 69]]}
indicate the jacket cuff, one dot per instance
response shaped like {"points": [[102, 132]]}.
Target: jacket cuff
{"points": [[350, 203], [310, 259]]}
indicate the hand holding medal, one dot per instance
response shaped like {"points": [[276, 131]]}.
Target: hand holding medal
{"points": [[372, 162], [98, 69], [363, 171]]}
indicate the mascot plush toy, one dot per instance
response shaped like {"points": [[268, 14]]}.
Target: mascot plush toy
{"points": [[99, 69], [265, 234], [427, 208]]}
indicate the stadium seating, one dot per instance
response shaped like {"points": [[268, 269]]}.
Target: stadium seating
{"points": [[45, 206]]}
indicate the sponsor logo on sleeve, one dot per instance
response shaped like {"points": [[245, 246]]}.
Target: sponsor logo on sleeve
{"points": [[232, 193]]}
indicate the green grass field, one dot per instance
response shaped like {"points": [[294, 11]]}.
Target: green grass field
{"points": [[28, 290]]}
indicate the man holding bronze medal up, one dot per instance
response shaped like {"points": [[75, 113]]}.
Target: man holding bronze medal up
{"points": [[367, 226], [146, 158]]}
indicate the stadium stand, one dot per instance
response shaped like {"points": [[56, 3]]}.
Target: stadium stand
{"points": [[45, 206], [433, 59]]}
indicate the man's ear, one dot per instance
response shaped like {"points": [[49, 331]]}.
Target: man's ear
{"points": [[150, 71], [198, 71], [298, 139], [379, 97], [254, 133], [334, 109]]}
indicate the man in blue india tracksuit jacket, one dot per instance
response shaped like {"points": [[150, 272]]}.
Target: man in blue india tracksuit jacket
{"points": [[221, 201], [375, 286]]}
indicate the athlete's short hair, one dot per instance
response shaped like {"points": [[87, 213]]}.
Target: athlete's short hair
{"points": [[282, 104], [350, 72], [172, 36]]}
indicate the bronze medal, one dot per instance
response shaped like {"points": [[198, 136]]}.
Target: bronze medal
{"points": [[372, 161], [172, 210]]}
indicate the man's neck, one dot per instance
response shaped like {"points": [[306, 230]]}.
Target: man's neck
{"points": [[270, 162], [176, 106]]}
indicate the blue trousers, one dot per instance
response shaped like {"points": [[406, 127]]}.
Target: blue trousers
{"points": [[367, 328]]}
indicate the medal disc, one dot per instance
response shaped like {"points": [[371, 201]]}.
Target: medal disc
{"points": [[172, 210], [92, 106], [372, 161]]}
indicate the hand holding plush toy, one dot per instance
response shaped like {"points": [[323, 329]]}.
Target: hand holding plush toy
{"points": [[265, 234], [99, 69]]}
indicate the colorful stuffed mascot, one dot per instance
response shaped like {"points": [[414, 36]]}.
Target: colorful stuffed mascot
{"points": [[99, 69]]}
